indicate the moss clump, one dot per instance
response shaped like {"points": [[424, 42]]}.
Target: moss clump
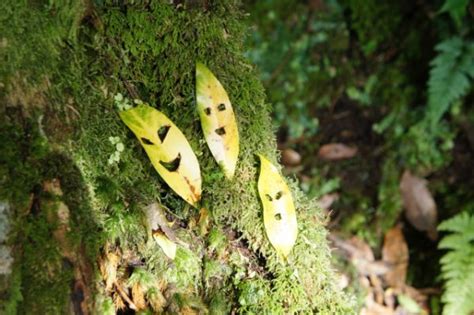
{"points": [[148, 51]]}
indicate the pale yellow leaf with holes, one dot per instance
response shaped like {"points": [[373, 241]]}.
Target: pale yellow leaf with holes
{"points": [[168, 246], [217, 119], [168, 150], [279, 215]]}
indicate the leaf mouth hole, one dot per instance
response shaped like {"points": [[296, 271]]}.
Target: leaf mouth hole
{"points": [[173, 165], [220, 131], [278, 216], [207, 111], [278, 195], [163, 132], [221, 107], [269, 197], [146, 141]]}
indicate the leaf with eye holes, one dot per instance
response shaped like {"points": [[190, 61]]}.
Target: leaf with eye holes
{"points": [[217, 119], [168, 150], [279, 215]]}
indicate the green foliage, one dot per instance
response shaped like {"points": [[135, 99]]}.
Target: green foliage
{"points": [[409, 74], [456, 9], [41, 277], [427, 144], [298, 52], [388, 195], [363, 96], [451, 76], [457, 265]]}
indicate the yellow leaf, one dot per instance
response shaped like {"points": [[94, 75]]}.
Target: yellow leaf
{"points": [[168, 246], [168, 150], [217, 119], [279, 215]]}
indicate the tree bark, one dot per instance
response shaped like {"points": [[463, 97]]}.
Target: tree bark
{"points": [[81, 232]]}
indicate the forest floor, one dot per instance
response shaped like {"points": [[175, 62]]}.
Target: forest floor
{"points": [[359, 92]]}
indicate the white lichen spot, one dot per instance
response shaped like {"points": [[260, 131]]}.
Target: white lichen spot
{"points": [[122, 102], [119, 148]]}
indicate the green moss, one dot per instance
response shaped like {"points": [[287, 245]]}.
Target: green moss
{"points": [[373, 31], [45, 279]]}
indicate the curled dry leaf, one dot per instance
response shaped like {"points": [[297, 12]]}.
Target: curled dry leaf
{"points": [[361, 256], [336, 151], [290, 157], [420, 207], [363, 259], [395, 254]]}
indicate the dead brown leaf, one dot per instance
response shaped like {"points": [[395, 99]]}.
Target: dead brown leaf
{"points": [[420, 207], [377, 289], [361, 256], [336, 151], [395, 254], [361, 249], [390, 298], [108, 267], [118, 301], [354, 248], [290, 157], [138, 296], [373, 308]]}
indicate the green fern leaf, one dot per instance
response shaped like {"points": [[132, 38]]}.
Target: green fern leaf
{"points": [[455, 8], [450, 76], [457, 265]]}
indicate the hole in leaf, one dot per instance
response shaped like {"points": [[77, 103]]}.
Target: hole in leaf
{"points": [[173, 165], [278, 195], [269, 197], [146, 141], [221, 107], [207, 111], [278, 216], [220, 131], [163, 132]]}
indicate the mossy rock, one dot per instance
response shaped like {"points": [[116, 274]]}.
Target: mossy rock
{"points": [[66, 61]]}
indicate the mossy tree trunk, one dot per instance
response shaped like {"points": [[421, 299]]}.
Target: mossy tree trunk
{"points": [[79, 230]]}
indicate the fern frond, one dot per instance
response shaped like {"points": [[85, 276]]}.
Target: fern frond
{"points": [[450, 77], [456, 8], [457, 265]]}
